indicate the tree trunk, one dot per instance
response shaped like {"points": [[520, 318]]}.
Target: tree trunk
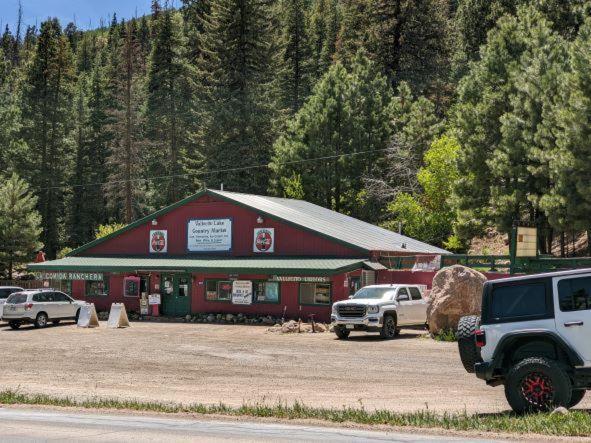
{"points": [[562, 244]]}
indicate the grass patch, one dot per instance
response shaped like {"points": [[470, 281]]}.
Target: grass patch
{"points": [[576, 423], [447, 335]]}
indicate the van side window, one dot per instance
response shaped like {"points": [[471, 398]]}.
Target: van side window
{"points": [[415, 294], [574, 294]]}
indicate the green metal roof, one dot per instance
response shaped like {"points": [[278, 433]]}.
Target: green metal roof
{"points": [[279, 266], [330, 224]]}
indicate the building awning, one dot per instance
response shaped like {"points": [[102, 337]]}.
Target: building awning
{"points": [[373, 266], [278, 266]]}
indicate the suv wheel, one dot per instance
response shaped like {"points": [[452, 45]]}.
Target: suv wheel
{"points": [[537, 384], [341, 332], [41, 320], [469, 352], [576, 397], [14, 324], [389, 329]]}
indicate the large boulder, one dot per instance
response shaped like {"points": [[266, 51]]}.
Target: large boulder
{"points": [[456, 291]]}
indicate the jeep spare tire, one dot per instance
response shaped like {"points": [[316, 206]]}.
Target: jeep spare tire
{"points": [[469, 352]]}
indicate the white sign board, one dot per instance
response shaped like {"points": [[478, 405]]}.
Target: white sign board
{"points": [[154, 299], [213, 234], [87, 317], [242, 292], [118, 316], [158, 241], [264, 240]]}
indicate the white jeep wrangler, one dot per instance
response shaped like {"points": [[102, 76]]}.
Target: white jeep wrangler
{"points": [[380, 308], [533, 337]]}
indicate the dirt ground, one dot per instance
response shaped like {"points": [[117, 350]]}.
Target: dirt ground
{"points": [[234, 364]]}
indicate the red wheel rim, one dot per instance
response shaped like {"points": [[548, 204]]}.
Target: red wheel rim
{"points": [[537, 389]]}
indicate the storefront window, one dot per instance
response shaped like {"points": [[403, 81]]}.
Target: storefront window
{"points": [[218, 290], [314, 294], [266, 292], [97, 288]]}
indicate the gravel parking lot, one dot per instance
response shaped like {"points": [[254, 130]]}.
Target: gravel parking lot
{"points": [[236, 364]]}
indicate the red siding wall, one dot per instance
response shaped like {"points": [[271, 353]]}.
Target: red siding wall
{"points": [[289, 297], [289, 240]]}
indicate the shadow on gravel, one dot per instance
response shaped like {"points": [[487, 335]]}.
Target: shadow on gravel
{"points": [[376, 337]]}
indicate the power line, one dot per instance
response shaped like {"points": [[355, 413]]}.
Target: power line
{"points": [[218, 171]]}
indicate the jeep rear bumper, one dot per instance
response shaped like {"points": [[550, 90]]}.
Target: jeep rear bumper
{"points": [[484, 371]]}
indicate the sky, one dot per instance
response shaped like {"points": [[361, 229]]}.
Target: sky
{"points": [[85, 13]]}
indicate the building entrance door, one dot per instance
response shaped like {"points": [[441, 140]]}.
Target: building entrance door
{"points": [[176, 294]]}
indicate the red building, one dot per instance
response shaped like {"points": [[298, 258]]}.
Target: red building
{"points": [[226, 252]]}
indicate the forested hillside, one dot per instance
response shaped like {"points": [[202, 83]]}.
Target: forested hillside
{"points": [[440, 117]]}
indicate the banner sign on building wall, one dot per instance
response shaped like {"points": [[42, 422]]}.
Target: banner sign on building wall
{"points": [[158, 241], [50, 275], [264, 240], [289, 278], [242, 292], [206, 235]]}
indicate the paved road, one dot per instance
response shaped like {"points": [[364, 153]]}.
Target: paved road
{"points": [[29, 425]]}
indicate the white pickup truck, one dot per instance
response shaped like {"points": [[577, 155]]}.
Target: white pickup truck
{"points": [[380, 308]]}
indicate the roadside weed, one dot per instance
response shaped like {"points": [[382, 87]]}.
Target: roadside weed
{"points": [[576, 423]]}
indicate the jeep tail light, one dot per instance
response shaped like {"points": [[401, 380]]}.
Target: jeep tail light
{"points": [[28, 306], [480, 337]]}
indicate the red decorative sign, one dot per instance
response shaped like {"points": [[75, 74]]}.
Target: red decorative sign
{"points": [[264, 240], [158, 241]]}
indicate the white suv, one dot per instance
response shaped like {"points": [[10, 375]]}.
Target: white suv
{"points": [[533, 338], [380, 308], [5, 291], [40, 306]]}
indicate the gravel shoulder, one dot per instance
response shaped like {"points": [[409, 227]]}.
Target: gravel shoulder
{"points": [[236, 364]]}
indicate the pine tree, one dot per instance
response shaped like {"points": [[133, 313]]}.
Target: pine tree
{"points": [[354, 30], [13, 147], [7, 44], [323, 28], [194, 13], [80, 219], [169, 109], [333, 141], [236, 95], [501, 117], [568, 202], [19, 223], [47, 125], [293, 80], [126, 97]]}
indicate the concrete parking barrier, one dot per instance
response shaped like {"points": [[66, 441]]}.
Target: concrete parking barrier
{"points": [[88, 317], [118, 316]]}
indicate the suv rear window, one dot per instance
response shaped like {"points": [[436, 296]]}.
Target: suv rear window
{"points": [[519, 301], [17, 298]]}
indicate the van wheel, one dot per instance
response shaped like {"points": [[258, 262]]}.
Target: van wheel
{"points": [[41, 320], [537, 384], [14, 324], [341, 333], [389, 329], [77, 316]]}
